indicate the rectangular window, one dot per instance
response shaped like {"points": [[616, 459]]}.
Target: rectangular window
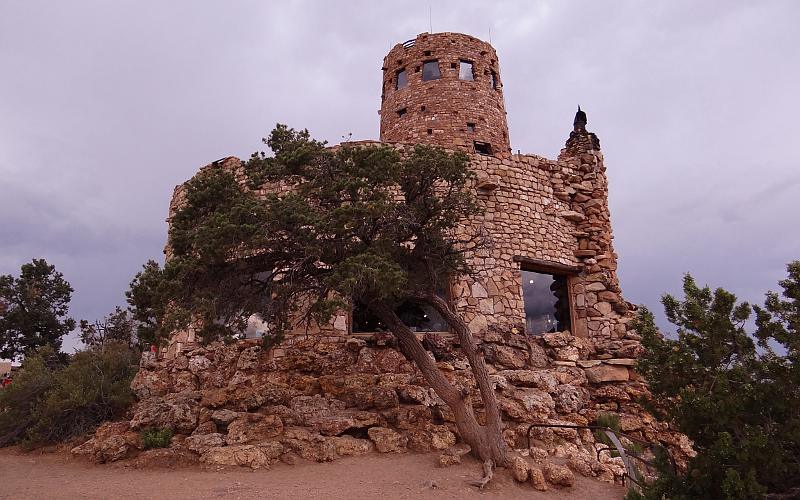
{"points": [[494, 80], [465, 71], [417, 317], [430, 70], [470, 127], [483, 148], [546, 299], [402, 79]]}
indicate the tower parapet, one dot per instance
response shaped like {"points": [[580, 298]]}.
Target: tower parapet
{"points": [[444, 89]]}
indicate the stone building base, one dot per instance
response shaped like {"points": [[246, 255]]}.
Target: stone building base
{"points": [[240, 405]]}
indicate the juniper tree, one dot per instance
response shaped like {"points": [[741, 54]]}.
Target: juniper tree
{"points": [[734, 392], [33, 309], [359, 225]]}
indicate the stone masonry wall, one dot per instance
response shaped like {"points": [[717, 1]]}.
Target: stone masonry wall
{"points": [[438, 111], [239, 405], [549, 215]]}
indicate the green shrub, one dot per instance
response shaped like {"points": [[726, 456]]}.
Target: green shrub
{"points": [[48, 403], [732, 388], [156, 438]]}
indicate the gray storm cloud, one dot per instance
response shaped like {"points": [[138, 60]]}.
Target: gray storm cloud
{"points": [[105, 107]]}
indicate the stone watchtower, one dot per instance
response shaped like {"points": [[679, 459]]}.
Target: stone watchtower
{"points": [[444, 89], [547, 262]]}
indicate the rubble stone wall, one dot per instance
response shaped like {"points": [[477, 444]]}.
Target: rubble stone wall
{"points": [[238, 404]]}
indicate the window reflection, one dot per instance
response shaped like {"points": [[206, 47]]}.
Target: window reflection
{"points": [[546, 302], [430, 70], [417, 317], [402, 79], [465, 71]]}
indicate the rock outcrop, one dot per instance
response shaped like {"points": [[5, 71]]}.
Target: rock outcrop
{"points": [[238, 405]]}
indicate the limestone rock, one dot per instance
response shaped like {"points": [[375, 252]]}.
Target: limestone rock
{"points": [[570, 399], [224, 417], [520, 469], [253, 427], [148, 384], [386, 440], [537, 479], [607, 373], [198, 364], [441, 437], [253, 456], [558, 475], [531, 378], [508, 357], [352, 446], [201, 443], [176, 411]]}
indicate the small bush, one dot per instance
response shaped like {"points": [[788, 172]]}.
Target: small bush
{"points": [[156, 438], [50, 403]]}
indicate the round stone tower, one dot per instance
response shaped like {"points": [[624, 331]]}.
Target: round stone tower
{"points": [[444, 89]]}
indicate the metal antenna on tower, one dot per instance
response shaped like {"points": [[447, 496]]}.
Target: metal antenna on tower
{"points": [[430, 18]]}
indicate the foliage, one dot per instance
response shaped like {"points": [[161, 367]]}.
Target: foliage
{"points": [[119, 326], [296, 237], [359, 224], [738, 403], [146, 304], [33, 309], [153, 437], [49, 403]]}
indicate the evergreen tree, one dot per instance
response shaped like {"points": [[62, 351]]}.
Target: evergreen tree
{"points": [[33, 309], [358, 224], [735, 393]]}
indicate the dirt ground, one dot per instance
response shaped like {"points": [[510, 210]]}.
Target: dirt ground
{"points": [[58, 476]]}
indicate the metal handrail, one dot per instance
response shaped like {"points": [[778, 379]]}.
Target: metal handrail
{"points": [[630, 470]]}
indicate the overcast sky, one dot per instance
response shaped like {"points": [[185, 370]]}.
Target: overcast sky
{"points": [[106, 106]]}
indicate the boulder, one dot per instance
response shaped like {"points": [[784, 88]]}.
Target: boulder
{"points": [[112, 441], [506, 356], [520, 469], [558, 475], [607, 373], [224, 417], [149, 384], [570, 399], [201, 443], [198, 364], [538, 404], [530, 378], [253, 456], [386, 440], [372, 360], [176, 411], [557, 339], [537, 479], [253, 427], [249, 358], [351, 446]]}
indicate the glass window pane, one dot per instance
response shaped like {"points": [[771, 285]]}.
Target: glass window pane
{"points": [[546, 302], [421, 318], [417, 317], [430, 70], [402, 79], [465, 71]]}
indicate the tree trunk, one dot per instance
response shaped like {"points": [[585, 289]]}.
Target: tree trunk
{"points": [[486, 441]]}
